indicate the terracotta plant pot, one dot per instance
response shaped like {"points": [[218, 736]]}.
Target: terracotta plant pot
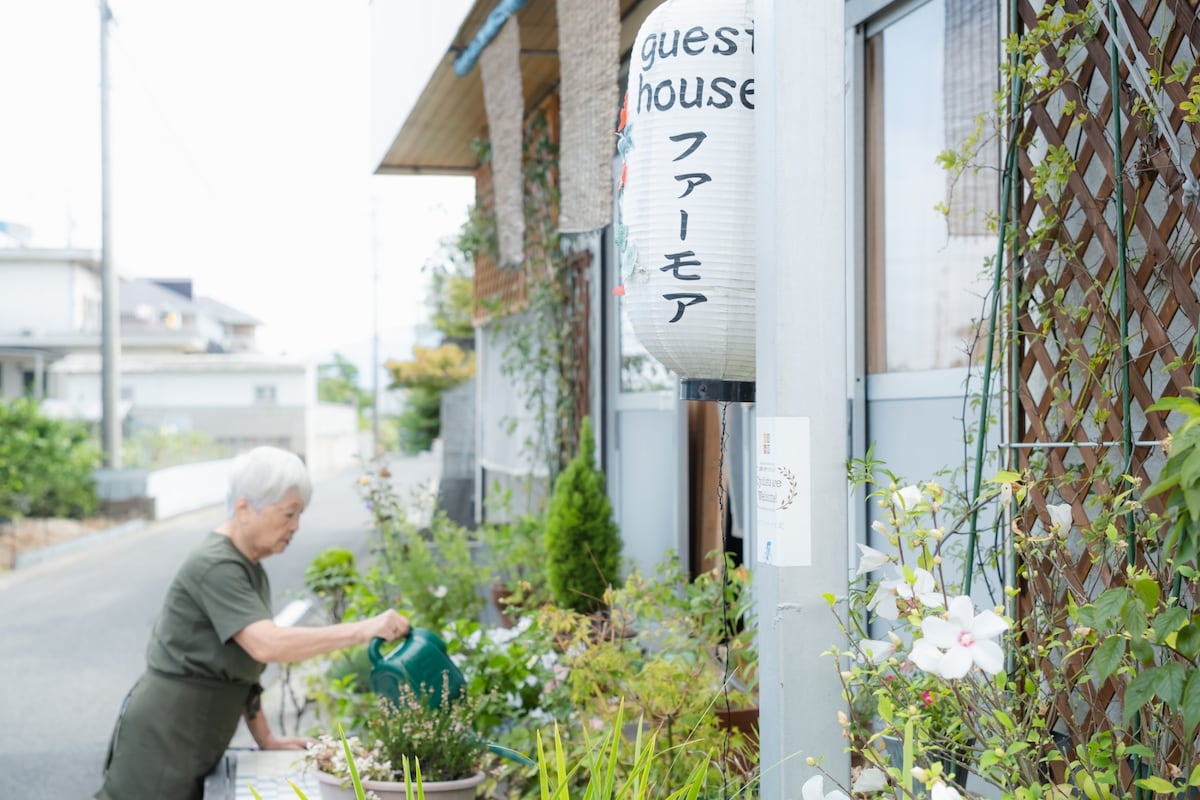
{"points": [[499, 593], [745, 722], [462, 789]]}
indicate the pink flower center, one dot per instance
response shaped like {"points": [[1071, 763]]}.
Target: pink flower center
{"points": [[966, 639]]}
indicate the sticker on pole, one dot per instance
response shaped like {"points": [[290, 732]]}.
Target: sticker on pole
{"points": [[783, 491]]}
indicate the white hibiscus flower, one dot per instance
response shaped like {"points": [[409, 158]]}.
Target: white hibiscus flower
{"points": [[950, 646], [814, 789]]}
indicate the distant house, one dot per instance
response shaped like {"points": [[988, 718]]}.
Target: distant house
{"points": [[163, 314], [187, 361], [239, 399], [49, 306]]}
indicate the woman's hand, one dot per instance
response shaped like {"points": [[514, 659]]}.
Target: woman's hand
{"points": [[389, 625], [274, 742]]}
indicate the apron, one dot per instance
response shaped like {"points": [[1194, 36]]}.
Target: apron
{"points": [[171, 732]]}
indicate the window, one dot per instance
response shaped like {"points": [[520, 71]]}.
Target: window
{"points": [[930, 74], [264, 394]]}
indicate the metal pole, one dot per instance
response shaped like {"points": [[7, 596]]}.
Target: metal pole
{"points": [[375, 443], [110, 346]]}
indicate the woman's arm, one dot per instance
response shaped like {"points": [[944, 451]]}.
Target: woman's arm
{"points": [[268, 643]]}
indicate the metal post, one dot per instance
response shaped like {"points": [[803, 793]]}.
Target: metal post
{"points": [[376, 445], [110, 347], [803, 375]]}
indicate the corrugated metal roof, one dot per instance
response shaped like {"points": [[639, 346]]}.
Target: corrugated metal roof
{"points": [[448, 116]]}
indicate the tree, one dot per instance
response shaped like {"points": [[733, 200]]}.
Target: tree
{"points": [[431, 371], [583, 545], [337, 382], [451, 298]]}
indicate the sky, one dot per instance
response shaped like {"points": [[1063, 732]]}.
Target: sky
{"points": [[240, 154]]}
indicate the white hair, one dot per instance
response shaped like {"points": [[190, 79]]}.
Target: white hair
{"points": [[264, 475]]}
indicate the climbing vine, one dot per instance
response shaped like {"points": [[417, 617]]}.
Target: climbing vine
{"points": [[535, 355]]}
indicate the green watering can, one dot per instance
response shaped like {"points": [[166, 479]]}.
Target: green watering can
{"points": [[422, 664]]}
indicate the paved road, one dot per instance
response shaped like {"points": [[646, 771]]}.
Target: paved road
{"points": [[73, 631]]}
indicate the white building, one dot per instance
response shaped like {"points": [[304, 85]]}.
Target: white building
{"points": [[187, 361], [239, 399], [49, 306]]}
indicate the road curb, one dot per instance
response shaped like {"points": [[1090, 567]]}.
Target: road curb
{"points": [[31, 557]]}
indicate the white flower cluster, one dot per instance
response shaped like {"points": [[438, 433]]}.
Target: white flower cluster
{"points": [[950, 642], [328, 755]]}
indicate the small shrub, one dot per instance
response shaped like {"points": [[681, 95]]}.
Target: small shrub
{"points": [[331, 576], [583, 546], [45, 465]]}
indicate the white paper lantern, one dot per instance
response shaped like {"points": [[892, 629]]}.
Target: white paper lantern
{"points": [[686, 231]]}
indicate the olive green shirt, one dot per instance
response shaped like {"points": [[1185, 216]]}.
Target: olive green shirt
{"points": [[216, 593]]}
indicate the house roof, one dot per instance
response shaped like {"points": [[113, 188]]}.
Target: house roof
{"points": [[436, 136], [137, 292], [89, 259], [226, 314]]}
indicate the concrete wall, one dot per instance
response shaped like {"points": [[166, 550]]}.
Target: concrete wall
{"points": [[43, 298], [333, 441], [176, 490], [456, 487], [503, 424], [12, 383], [177, 388]]}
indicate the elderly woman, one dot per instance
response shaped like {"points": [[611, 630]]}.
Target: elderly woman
{"points": [[213, 638]]}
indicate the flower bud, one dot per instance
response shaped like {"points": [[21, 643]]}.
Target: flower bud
{"points": [[812, 762], [919, 774], [843, 720]]}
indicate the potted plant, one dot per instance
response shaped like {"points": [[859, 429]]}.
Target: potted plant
{"points": [[516, 554], [438, 740]]}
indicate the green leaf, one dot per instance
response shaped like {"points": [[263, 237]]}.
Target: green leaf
{"points": [[1139, 692], [1189, 542], [1187, 641], [1189, 703], [1169, 682], [1184, 405], [1147, 589], [1142, 650], [1005, 476], [886, 709], [1157, 785], [1107, 657], [1168, 622], [1108, 605], [1194, 778], [1165, 483], [1133, 616]]}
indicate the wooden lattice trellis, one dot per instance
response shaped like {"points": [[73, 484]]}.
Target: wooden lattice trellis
{"points": [[1070, 391]]}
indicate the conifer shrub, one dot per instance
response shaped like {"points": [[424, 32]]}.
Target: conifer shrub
{"points": [[583, 545]]}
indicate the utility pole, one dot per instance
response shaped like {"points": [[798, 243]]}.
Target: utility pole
{"points": [[375, 443], [110, 348]]}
